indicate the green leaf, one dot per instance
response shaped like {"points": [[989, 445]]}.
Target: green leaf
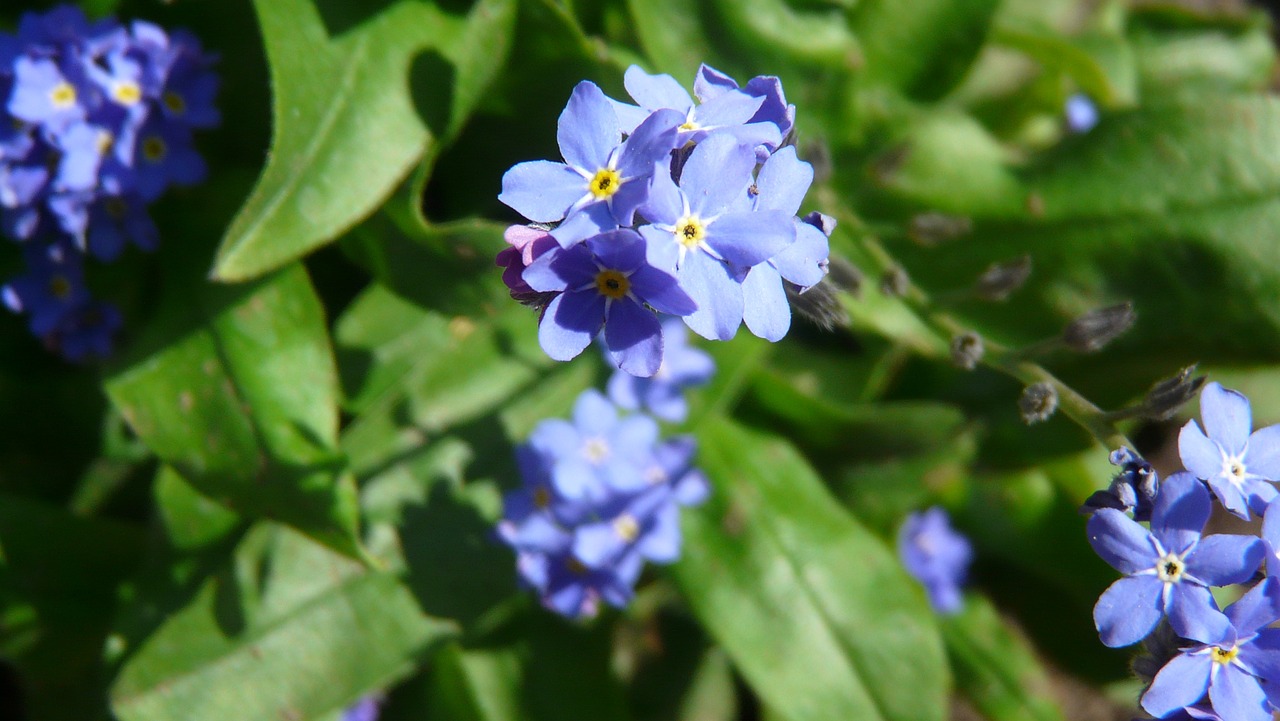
{"points": [[773, 29], [475, 685], [923, 47], [288, 630], [347, 129], [1102, 66], [994, 666], [1181, 58], [814, 611], [235, 387]]}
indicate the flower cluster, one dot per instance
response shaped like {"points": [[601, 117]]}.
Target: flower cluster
{"points": [[96, 123], [600, 495], [669, 205], [1229, 656], [936, 556]]}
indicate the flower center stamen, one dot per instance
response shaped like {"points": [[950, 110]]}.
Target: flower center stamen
{"points": [[605, 183], [612, 284], [541, 497], [154, 149], [60, 287], [126, 93], [595, 450], [62, 95], [626, 527], [175, 103], [1224, 655], [690, 231], [1170, 568]]}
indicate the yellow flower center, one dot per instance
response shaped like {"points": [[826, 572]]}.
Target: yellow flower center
{"points": [[60, 287], [175, 103], [626, 527], [105, 141], [541, 497], [605, 183], [154, 149], [126, 93], [1224, 655], [612, 284], [689, 126], [62, 95], [595, 450], [690, 231]]}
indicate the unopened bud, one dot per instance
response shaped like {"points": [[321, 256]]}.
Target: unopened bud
{"points": [[819, 305], [929, 229], [1093, 330], [1001, 279], [1038, 402], [967, 350], [894, 283], [844, 275], [1166, 397]]}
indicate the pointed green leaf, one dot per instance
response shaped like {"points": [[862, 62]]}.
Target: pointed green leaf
{"points": [[347, 127], [814, 610]]}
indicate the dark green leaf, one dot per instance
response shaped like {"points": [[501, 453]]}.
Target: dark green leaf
{"points": [[347, 128], [777, 571]]}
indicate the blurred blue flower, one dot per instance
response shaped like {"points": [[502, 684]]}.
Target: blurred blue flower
{"points": [[1169, 568], [606, 282], [683, 366], [1237, 665], [51, 288], [936, 556], [366, 709], [1081, 113], [1237, 465]]}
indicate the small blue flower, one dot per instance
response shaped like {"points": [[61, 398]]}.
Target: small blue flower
{"points": [[728, 112], [1132, 491], [86, 332], [1237, 465], [1238, 666], [45, 95], [662, 394], [603, 179], [51, 289], [936, 556], [366, 709], [606, 282], [1081, 113], [115, 221], [1169, 568], [711, 83], [703, 231]]}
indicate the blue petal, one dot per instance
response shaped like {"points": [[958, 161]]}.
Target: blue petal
{"points": [[1128, 610], [555, 438], [1182, 682], [1180, 512], [588, 220], [634, 338], [541, 190], [1227, 418], [622, 250], [1271, 535], [765, 309], [569, 324], [718, 295], [661, 544], [783, 181], [731, 108], [1262, 656], [629, 116], [597, 544], [1221, 560], [551, 272], [635, 437], [1263, 457], [1231, 496], [710, 83], [655, 91], [662, 291], [1199, 454], [1121, 541], [1237, 696], [593, 413], [661, 248], [747, 239], [1193, 614], [717, 174], [575, 479], [1258, 608], [651, 144], [804, 261], [588, 128]]}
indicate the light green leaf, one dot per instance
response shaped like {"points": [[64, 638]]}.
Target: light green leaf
{"points": [[815, 611], [236, 389], [288, 630], [347, 129], [923, 47]]}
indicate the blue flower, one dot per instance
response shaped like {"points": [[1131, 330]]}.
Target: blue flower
{"points": [[603, 179], [606, 282], [366, 709], [936, 556], [85, 332], [1238, 665], [662, 394], [711, 83], [704, 232], [1081, 113], [1237, 465], [1169, 568], [51, 288], [728, 111], [1133, 490]]}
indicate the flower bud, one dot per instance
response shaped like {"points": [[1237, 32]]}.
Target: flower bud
{"points": [[1038, 402], [930, 229], [1093, 330], [894, 283], [1166, 397], [1001, 279], [967, 350]]}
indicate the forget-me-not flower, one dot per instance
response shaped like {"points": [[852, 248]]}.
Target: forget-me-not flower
{"points": [[1238, 465], [936, 556], [683, 366]]}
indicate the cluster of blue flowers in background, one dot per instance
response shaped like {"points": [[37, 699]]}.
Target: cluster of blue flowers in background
{"points": [[668, 205], [1227, 665], [96, 123], [600, 494]]}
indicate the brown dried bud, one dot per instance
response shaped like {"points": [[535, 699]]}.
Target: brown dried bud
{"points": [[1093, 330], [1001, 279]]}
